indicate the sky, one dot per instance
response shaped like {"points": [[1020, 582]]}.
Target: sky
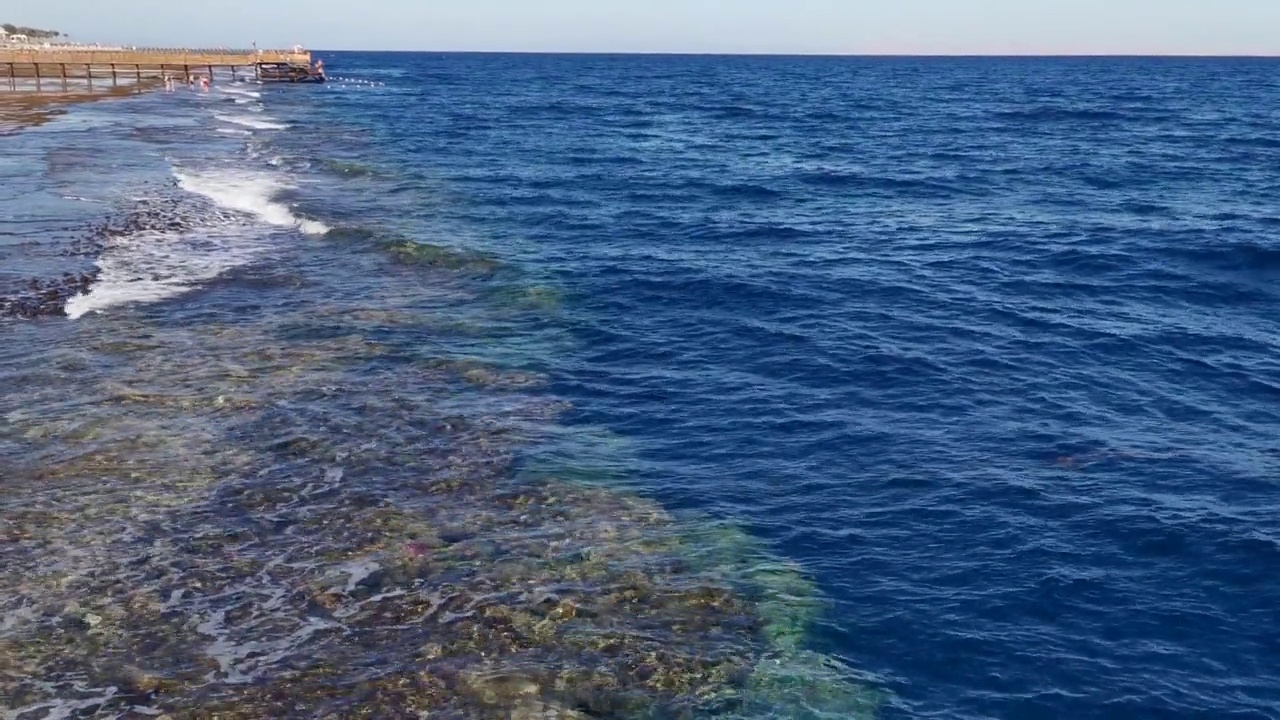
{"points": [[921, 27]]}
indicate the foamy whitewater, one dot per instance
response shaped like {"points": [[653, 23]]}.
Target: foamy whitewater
{"points": [[248, 192], [250, 122], [233, 90], [151, 266]]}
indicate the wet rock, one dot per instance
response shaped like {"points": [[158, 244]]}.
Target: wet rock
{"points": [[37, 298], [455, 535], [136, 682]]}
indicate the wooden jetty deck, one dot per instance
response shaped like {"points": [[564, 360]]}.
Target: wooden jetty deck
{"points": [[57, 67]]}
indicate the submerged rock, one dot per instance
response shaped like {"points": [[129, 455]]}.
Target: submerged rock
{"points": [[538, 298], [346, 168], [37, 298], [43, 297], [411, 252], [486, 375]]}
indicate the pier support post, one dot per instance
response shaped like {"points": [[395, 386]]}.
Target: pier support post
{"points": [[37, 67], [64, 76], [115, 82], [13, 76], [88, 73]]}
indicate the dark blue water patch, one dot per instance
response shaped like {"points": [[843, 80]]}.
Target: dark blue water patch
{"points": [[1248, 256], [1054, 114], [748, 191], [909, 187], [1032, 348], [737, 112], [761, 232], [1255, 141], [608, 160]]}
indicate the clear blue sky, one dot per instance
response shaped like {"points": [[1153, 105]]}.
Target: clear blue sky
{"points": [[763, 26]]}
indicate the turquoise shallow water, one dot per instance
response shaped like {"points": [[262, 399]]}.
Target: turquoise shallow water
{"points": [[620, 387]]}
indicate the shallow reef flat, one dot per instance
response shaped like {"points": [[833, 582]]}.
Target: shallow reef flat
{"points": [[227, 521]]}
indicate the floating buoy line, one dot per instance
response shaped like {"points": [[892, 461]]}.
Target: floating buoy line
{"points": [[357, 81]]}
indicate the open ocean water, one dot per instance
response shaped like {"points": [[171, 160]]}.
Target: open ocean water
{"points": [[480, 386]]}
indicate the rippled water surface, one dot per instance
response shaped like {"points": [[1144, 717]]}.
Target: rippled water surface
{"points": [[478, 386]]}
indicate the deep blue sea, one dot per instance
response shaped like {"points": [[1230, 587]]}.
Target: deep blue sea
{"points": [[519, 386]]}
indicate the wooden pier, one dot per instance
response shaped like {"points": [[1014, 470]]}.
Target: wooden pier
{"points": [[56, 68]]}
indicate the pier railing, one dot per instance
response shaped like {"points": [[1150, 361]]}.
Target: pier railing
{"points": [[24, 68]]}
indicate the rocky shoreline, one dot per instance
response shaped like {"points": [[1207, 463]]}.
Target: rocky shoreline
{"points": [[40, 298], [30, 298]]}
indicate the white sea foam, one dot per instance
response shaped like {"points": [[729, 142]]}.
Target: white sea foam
{"points": [[234, 131], [252, 122], [233, 90], [248, 192], [152, 266]]}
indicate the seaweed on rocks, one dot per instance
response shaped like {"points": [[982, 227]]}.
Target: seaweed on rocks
{"points": [[162, 214]]}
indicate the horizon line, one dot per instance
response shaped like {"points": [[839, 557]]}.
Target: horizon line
{"points": [[710, 53]]}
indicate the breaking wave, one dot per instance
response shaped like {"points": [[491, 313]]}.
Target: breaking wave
{"points": [[179, 246], [248, 192], [250, 122], [231, 90], [152, 266]]}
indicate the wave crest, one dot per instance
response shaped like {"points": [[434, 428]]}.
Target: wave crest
{"points": [[247, 192]]}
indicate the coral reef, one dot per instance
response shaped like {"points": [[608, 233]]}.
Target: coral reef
{"points": [[251, 520]]}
